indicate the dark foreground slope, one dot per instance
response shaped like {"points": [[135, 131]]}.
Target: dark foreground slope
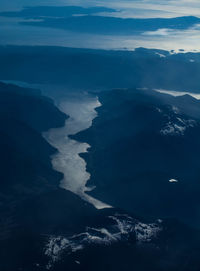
{"points": [[140, 141], [24, 115]]}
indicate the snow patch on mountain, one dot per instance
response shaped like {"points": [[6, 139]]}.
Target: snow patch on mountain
{"points": [[122, 228]]}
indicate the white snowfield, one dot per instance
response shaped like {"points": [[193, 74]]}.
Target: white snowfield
{"points": [[121, 229]]}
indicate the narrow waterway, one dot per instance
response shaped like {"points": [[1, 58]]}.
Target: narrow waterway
{"points": [[80, 107], [81, 111]]}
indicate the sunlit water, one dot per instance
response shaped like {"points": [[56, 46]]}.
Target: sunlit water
{"points": [[178, 93], [80, 107], [81, 112]]}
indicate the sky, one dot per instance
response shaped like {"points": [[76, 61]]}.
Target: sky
{"points": [[146, 8], [11, 32]]}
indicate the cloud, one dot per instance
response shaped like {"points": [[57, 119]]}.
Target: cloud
{"points": [[126, 9], [163, 38]]}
